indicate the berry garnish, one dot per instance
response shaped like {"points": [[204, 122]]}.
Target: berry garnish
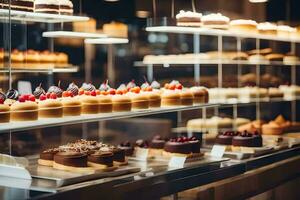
{"points": [[31, 98], [22, 98], [53, 96], [43, 97], [93, 93]]}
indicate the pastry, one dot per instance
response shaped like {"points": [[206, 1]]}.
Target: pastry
{"points": [[200, 95], [186, 97], [50, 107], [71, 105], [257, 58], [127, 147], [290, 92], [272, 128], [225, 138], [90, 103], [101, 159], [246, 139], [17, 56], [31, 56], [4, 110], [121, 103], [267, 28], [260, 51], [156, 146], [116, 29], [105, 104], [139, 100], [188, 18], [85, 26], [274, 57], [290, 59], [25, 109], [65, 7], [47, 157], [61, 58], [47, 57], [22, 5], [275, 93], [46, 6], [153, 96], [243, 25], [286, 31], [214, 20]]}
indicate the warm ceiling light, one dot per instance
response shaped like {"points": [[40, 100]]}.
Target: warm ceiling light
{"points": [[111, 0], [258, 1], [142, 14]]}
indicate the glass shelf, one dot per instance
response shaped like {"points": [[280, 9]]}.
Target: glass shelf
{"points": [[107, 41], [71, 34], [65, 69], [39, 17]]}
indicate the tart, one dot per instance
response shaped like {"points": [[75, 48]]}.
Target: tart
{"points": [[121, 103]]}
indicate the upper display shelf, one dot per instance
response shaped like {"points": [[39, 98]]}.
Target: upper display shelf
{"points": [[107, 41], [23, 16], [71, 34], [218, 32]]}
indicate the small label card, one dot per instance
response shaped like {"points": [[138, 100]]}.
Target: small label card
{"points": [[142, 154], [218, 151], [24, 87], [177, 161]]}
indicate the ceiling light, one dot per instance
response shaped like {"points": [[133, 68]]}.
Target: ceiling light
{"points": [[142, 14], [258, 1]]}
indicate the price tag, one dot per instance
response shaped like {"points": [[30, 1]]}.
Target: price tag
{"points": [[177, 161], [24, 87], [142, 153], [218, 151]]}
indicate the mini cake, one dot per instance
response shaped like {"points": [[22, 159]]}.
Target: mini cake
{"points": [[267, 28], [101, 159], [188, 18], [26, 109], [180, 146], [71, 105], [290, 59], [286, 31], [156, 146], [200, 95], [139, 100], [246, 139], [272, 128], [274, 57], [31, 56], [51, 107], [65, 7], [214, 20], [105, 104], [186, 97], [46, 6], [90, 103], [22, 5], [116, 29], [47, 57], [17, 56], [61, 58], [243, 25], [71, 161], [238, 56], [126, 146], [153, 96], [47, 157], [4, 111], [119, 156], [170, 98], [121, 103]]}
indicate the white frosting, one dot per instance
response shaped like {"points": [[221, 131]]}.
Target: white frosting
{"points": [[66, 2], [243, 22], [286, 28], [183, 13], [267, 26], [215, 17], [47, 2]]}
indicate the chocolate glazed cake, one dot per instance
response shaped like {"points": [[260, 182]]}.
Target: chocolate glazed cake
{"points": [[246, 139], [225, 138], [72, 159], [47, 157], [104, 158]]}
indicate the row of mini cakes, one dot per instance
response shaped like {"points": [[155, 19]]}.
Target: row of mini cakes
{"points": [[64, 7], [87, 99], [161, 147], [83, 154], [219, 21]]}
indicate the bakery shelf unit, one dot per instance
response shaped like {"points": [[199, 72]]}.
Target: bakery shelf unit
{"points": [[24, 16], [45, 123]]}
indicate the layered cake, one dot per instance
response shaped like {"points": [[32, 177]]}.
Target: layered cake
{"points": [[65, 7], [116, 29], [127, 147], [25, 109], [267, 28], [200, 95], [257, 58], [188, 18], [182, 146], [246, 139], [46, 6], [121, 103], [243, 25], [47, 157], [4, 109], [22, 5], [215, 20], [50, 107], [186, 97]]}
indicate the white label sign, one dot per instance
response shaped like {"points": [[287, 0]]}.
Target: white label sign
{"points": [[142, 153], [177, 161], [218, 151]]}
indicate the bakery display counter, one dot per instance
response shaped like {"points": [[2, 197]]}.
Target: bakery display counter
{"points": [[23, 16], [218, 32], [47, 122]]}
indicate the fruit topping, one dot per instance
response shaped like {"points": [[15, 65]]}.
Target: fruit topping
{"points": [[39, 91]]}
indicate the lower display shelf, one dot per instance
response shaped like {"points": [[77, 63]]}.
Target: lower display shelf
{"points": [[49, 122]]}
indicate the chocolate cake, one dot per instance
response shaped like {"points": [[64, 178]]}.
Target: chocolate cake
{"points": [[157, 142], [118, 154], [22, 5], [101, 157], [73, 159], [225, 138], [246, 139], [49, 154], [127, 147], [46, 6], [183, 145]]}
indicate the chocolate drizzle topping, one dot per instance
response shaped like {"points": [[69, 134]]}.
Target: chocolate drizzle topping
{"points": [[38, 91], [73, 88], [88, 87], [56, 89], [12, 94]]}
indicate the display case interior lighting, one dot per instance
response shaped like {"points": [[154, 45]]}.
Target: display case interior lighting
{"points": [[111, 0], [258, 1]]}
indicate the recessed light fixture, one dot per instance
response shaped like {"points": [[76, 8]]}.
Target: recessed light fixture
{"points": [[258, 1], [111, 0], [142, 14]]}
